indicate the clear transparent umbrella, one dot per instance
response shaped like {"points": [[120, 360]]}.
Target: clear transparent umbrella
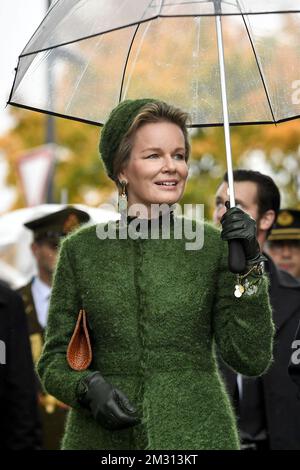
{"points": [[228, 62]]}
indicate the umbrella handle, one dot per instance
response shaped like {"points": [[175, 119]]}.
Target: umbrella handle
{"points": [[236, 257], [236, 254]]}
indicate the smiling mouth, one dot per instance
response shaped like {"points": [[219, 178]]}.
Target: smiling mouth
{"points": [[167, 184]]}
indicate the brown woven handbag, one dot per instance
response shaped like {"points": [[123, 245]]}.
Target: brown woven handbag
{"points": [[79, 352]]}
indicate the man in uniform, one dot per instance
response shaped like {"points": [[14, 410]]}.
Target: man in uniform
{"points": [[267, 407], [284, 242], [284, 248], [47, 233]]}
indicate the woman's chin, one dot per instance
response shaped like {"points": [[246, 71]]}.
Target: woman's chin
{"points": [[166, 197]]}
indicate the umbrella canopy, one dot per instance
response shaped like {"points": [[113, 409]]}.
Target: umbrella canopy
{"points": [[225, 62], [17, 264], [87, 55]]}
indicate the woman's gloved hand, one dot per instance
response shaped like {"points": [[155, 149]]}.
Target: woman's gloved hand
{"points": [[236, 224], [108, 405]]}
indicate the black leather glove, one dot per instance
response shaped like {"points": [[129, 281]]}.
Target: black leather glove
{"points": [[108, 405], [236, 224]]}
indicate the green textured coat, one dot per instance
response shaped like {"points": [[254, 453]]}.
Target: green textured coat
{"points": [[155, 311]]}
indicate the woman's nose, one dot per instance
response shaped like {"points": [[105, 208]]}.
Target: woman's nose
{"points": [[169, 164]]}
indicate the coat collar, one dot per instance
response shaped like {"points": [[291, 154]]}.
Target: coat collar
{"points": [[158, 220]]}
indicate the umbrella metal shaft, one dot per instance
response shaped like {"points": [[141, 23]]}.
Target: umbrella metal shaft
{"points": [[225, 109]]}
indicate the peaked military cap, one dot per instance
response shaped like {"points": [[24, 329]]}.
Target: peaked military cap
{"points": [[57, 224], [287, 226]]}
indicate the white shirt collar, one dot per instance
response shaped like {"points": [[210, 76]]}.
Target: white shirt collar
{"points": [[41, 288]]}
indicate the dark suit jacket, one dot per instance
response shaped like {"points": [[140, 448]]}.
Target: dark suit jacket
{"points": [[282, 404], [19, 422]]}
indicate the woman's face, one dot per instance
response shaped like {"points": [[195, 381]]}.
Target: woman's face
{"points": [[156, 171]]}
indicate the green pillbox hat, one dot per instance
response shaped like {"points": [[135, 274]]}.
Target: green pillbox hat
{"points": [[118, 123]]}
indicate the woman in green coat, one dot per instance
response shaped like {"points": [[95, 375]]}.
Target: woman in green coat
{"points": [[157, 309]]}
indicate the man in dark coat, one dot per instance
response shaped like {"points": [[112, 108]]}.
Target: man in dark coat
{"points": [[268, 408], [47, 233], [20, 427], [284, 248]]}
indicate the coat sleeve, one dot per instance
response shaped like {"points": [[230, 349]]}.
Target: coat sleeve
{"points": [[243, 326], [56, 376]]}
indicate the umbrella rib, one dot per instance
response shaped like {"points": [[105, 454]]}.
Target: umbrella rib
{"points": [[130, 47], [13, 85], [260, 70], [126, 62]]}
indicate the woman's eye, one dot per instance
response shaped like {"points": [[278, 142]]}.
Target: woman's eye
{"points": [[154, 155], [179, 156]]}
